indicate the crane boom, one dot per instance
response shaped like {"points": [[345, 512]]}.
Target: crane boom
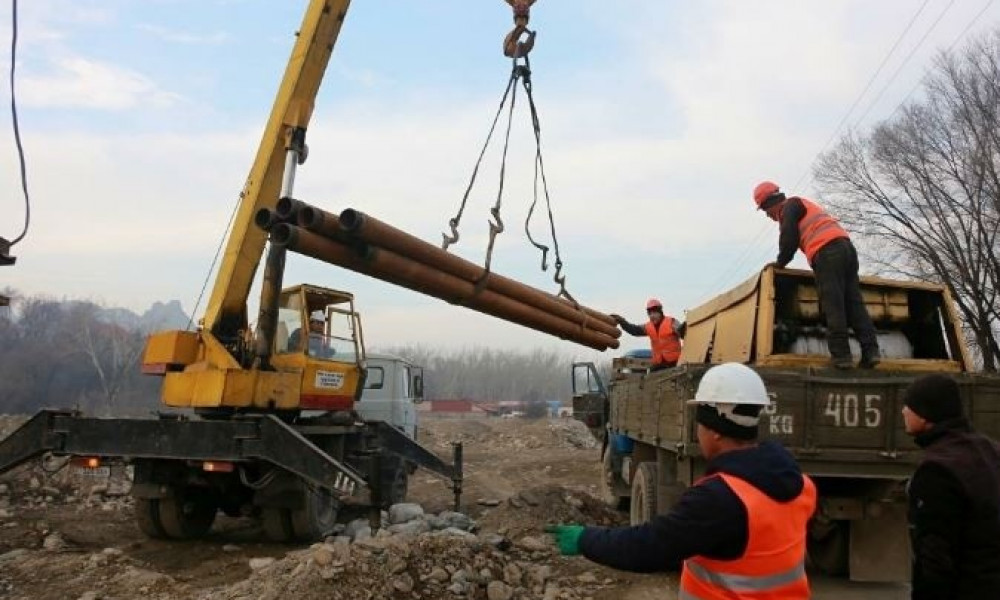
{"points": [[226, 312]]}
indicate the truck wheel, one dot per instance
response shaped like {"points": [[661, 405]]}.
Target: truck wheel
{"points": [[316, 517], [187, 513], [277, 524], [395, 478], [828, 548], [147, 517], [612, 489], [643, 507]]}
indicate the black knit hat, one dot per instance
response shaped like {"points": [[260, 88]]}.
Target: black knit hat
{"points": [[936, 398], [710, 417]]}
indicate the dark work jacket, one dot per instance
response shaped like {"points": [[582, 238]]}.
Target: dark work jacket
{"points": [[955, 515], [788, 242], [709, 519]]}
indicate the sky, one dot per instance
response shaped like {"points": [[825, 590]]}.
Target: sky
{"points": [[141, 118]]}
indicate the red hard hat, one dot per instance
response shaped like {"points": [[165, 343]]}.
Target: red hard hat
{"points": [[653, 303], [763, 191]]}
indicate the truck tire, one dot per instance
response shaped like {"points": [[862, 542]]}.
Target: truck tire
{"points": [[187, 512], [277, 524], [612, 490], [316, 517], [396, 478], [827, 548], [147, 517], [643, 507]]}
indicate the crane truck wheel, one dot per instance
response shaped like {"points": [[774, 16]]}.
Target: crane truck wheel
{"points": [[187, 513], [643, 507], [277, 524], [395, 477], [317, 515], [611, 488], [147, 517]]}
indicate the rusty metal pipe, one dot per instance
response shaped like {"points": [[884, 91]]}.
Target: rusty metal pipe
{"points": [[393, 268], [287, 208], [382, 235], [319, 221], [266, 218]]}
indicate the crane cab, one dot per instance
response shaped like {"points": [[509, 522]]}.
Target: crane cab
{"points": [[310, 369], [319, 335]]}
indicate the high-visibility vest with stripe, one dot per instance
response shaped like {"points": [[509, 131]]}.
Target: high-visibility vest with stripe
{"points": [[773, 565], [817, 229], [664, 341]]}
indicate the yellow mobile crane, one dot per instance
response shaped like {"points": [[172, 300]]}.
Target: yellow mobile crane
{"points": [[248, 446]]}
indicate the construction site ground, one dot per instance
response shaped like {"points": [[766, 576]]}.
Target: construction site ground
{"points": [[68, 535]]}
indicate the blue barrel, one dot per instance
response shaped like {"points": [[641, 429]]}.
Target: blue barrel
{"points": [[622, 444]]}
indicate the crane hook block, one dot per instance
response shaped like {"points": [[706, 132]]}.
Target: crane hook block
{"points": [[512, 46]]}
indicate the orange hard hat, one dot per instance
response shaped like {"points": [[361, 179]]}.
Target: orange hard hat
{"points": [[654, 303], [763, 191]]}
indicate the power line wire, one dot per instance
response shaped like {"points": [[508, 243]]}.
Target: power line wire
{"points": [[951, 46], [906, 60], [747, 249]]}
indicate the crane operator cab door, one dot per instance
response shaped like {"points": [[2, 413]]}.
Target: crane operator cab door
{"points": [[319, 334]]}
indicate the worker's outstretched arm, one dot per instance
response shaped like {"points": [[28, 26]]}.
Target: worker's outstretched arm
{"points": [[708, 520], [636, 330]]}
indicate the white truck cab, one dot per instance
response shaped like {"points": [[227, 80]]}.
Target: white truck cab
{"points": [[393, 387]]}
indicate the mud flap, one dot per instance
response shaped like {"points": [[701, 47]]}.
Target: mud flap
{"points": [[880, 546]]}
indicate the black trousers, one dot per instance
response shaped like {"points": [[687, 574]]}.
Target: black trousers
{"points": [[836, 268]]}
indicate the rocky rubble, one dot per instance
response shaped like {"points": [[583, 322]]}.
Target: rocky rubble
{"points": [[416, 556]]}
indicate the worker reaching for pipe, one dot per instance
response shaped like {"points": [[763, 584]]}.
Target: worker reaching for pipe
{"points": [[832, 256], [665, 334], [739, 531]]}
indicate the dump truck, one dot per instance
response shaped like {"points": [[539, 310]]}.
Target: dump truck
{"points": [[843, 427], [267, 422]]}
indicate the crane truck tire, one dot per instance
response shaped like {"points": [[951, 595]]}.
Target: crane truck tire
{"points": [[643, 507], [276, 523], [186, 512], [147, 517], [317, 515]]}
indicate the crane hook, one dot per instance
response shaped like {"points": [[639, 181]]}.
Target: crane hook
{"points": [[512, 46]]}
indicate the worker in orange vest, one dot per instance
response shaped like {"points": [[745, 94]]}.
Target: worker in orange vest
{"points": [[665, 334], [739, 531], [806, 226]]}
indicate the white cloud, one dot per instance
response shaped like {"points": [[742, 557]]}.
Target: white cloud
{"points": [[185, 37], [78, 82]]}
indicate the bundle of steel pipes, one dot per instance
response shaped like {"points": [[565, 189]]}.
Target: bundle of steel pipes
{"points": [[363, 244]]}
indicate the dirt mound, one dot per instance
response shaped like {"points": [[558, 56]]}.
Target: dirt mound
{"points": [[529, 511], [573, 434], [105, 574]]}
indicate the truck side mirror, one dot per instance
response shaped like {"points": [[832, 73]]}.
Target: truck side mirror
{"points": [[418, 388]]}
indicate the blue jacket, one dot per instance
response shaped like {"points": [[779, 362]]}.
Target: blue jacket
{"points": [[709, 519]]}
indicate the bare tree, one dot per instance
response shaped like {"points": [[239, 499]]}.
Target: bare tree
{"points": [[112, 350], [923, 187]]}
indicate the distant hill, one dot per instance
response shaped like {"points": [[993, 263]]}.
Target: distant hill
{"points": [[162, 315]]}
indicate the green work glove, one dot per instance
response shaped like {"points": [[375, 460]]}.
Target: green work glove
{"points": [[567, 537]]}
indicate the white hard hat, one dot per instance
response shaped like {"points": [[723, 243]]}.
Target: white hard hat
{"points": [[317, 315], [726, 386], [731, 383]]}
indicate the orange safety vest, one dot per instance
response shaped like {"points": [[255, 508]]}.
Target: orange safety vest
{"points": [[664, 341], [817, 229], [773, 566]]}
